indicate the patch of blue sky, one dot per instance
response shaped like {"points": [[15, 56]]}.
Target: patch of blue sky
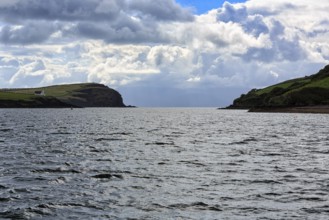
{"points": [[203, 6]]}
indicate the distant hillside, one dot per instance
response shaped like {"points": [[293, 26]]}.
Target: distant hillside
{"points": [[301, 92], [58, 96]]}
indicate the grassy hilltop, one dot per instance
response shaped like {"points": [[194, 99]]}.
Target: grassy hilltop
{"points": [[70, 95], [301, 92]]}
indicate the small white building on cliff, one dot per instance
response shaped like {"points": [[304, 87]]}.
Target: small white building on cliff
{"points": [[40, 92]]}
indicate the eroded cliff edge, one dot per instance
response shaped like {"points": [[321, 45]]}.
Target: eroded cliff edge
{"points": [[62, 96]]}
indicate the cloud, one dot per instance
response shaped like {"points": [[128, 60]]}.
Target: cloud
{"points": [[157, 51], [63, 10], [93, 10], [167, 10], [257, 22], [113, 21], [120, 64], [28, 34], [129, 33], [251, 23], [8, 62], [230, 13]]}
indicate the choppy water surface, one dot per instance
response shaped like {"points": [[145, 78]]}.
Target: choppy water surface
{"points": [[162, 164]]}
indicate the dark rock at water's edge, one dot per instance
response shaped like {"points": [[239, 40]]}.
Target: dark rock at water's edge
{"points": [[322, 109], [62, 96], [309, 94]]}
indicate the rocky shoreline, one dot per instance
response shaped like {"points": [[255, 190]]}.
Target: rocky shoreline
{"points": [[305, 109], [48, 102]]}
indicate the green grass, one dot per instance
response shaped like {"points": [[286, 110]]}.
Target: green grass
{"points": [[270, 88], [324, 83], [58, 91], [283, 85], [310, 90], [80, 95], [63, 90], [15, 96]]}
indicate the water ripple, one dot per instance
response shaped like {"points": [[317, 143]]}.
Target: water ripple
{"points": [[162, 164]]}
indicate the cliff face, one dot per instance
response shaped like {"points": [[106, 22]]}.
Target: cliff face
{"points": [[95, 95], [62, 96], [307, 91]]}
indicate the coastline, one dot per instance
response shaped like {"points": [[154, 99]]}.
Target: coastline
{"points": [[38, 102], [80, 95], [321, 109]]}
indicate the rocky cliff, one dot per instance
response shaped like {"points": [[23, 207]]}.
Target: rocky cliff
{"points": [[62, 96]]}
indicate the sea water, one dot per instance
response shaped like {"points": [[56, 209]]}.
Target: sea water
{"points": [[170, 163]]}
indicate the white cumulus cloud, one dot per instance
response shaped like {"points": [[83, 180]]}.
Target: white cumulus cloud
{"points": [[158, 47]]}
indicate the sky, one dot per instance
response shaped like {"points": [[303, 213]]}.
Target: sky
{"points": [[200, 7], [163, 53]]}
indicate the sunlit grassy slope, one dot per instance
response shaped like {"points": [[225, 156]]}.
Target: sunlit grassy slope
{"points": [[81, 95], [58, 91], [306, 91], [15, 96]]}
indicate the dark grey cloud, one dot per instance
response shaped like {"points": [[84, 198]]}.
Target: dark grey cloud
{"points": [[120, 35], [66, 10], [115, 21], [28, 34], [93, 10]]}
